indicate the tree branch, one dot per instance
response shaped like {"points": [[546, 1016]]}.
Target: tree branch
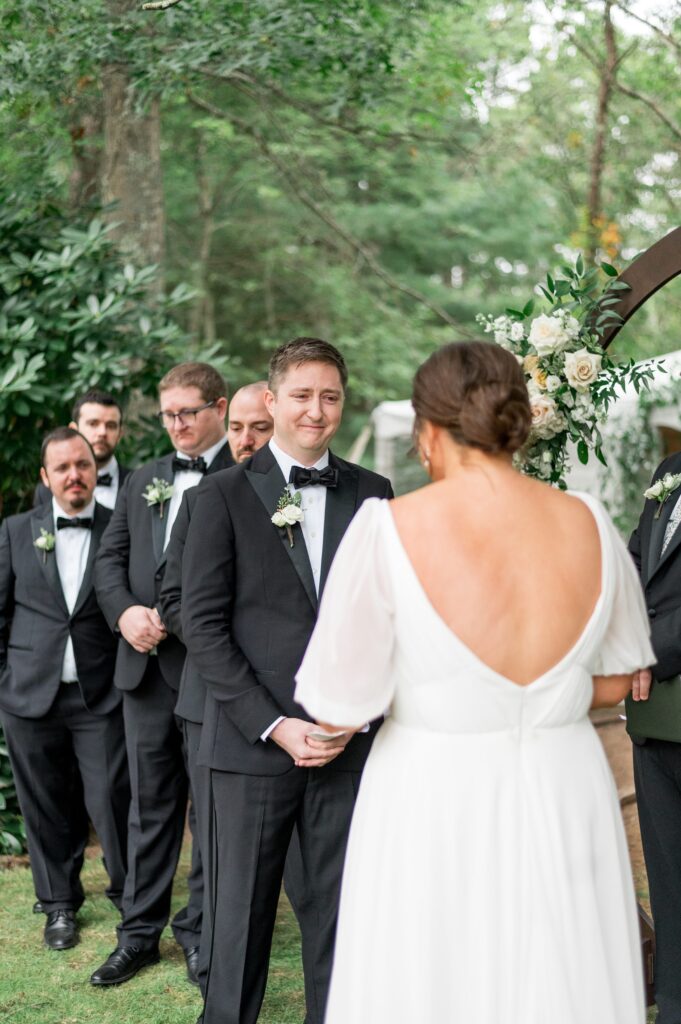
{"points": [[651, 106], [669, 39], [307, 200], [159, 5]]}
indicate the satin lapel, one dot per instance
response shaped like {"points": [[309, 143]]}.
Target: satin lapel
{"points": [[268, 486], [667, 510], [341, 505], [163, 470], [98, 527], [48, 560], [223, 460]]}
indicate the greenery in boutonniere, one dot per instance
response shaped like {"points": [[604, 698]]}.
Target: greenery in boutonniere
{"points": [[288, 513], [45, 542], [158, 492], [661, 490]]}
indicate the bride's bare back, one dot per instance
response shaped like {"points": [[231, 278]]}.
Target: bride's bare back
{"points": [[512, 566]]}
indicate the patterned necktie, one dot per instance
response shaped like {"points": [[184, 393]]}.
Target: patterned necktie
{"points": [[674, 520]]}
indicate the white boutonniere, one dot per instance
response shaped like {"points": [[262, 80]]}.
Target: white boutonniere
{"points": [[158, 492], [661, 490], [45, 542], [288, 513]]}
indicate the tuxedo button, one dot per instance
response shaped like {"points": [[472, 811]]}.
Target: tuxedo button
{"points": [[159, 576], [652, 612]]}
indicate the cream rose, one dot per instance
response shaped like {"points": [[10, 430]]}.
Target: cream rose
{"points": [[548, 335], [547, 420], [582, 368], [279, 519], [291, 514]]}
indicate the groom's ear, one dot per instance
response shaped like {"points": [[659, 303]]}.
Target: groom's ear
{"points": [[269, 398]]}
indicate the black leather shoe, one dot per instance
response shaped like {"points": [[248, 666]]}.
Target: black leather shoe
{"points": [[123, 964], [38, 907], [191, 955], [61, 930]]}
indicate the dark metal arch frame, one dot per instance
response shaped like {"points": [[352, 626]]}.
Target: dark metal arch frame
{"points": [[649, 272]]}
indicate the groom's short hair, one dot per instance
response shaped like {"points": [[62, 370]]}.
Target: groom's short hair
{"points": [[63, 434], [304, 350], [203, 376]]}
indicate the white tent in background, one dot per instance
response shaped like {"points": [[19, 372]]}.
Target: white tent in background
{"points": [[392, 424]]}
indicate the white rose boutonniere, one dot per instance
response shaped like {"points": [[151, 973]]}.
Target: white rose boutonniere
{"points": [[660, 490], [158, 492], [45, 543], [582, 368], [288, 513]]}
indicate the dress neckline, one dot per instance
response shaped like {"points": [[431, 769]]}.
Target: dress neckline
{"points": [[587, 500]]}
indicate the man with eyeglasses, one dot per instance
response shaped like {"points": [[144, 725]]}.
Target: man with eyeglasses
{"points": [[129, 572]]}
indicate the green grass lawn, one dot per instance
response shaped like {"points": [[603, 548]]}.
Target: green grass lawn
{"points": [[40, 986]]}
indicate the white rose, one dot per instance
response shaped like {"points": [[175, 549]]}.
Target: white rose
{"points": [[655, 491], [279, 519], [668, 481], [292, 514], [552, 383], [546, 418], [547, 335], [571, 327], [41, 543], [582, 368], [517, 331]]}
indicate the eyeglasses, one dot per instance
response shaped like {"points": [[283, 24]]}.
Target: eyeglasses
{"points": [[184, 416]]}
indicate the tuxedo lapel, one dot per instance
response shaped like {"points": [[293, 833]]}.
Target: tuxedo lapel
{"points": [[658, 532], [268, 482], [47, 560], [98, 527], [164, 471], [341, 503]]}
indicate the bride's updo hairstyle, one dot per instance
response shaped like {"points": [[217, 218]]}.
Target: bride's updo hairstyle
{"points": [[475, 390]]}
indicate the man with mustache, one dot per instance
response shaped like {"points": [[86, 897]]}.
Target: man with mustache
{"points": [[60, 713]]}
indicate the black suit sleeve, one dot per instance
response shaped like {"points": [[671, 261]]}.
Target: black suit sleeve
{"points": [[111, 565], [170, 605], [6, 590], [635, 548], [208, 577]]}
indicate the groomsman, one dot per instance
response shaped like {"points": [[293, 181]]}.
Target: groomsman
{"points": [[250, 590], [654, 723], [98, 416], [60, 712], [129, 573], [249, 427]]}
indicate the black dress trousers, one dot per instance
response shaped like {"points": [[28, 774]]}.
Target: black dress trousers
{"points": [[45, 754]]}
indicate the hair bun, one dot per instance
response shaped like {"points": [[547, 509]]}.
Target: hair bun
{"points": [[477, 391]]}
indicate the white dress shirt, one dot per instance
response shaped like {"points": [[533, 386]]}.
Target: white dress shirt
{"points": [[184, 480], [313, 504], [107, 495], [71, 548]]}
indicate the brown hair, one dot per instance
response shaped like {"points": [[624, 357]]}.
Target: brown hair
{"points": [[476, 390], [203, 376], [304, 350], [63, 434]]}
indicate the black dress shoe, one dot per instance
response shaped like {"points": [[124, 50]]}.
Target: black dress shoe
{"points": [[191, 955], [123, 964], [61, 930], [38, 907]]}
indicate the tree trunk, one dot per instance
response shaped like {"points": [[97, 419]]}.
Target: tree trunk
{"points": [[131, 172], [85, 130], [203, 317], [608, 71]]}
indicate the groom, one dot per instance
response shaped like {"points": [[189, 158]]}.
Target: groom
{"points": [[250, 595], [654, 723]]}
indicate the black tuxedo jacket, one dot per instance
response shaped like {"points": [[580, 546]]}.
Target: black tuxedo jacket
{"points": [[192, 694], [249, 606], [43, 494], [661, 576], [130, 566], [35, 623]]}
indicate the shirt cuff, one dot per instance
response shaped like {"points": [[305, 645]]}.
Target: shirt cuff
{"points": [[266, 735]]}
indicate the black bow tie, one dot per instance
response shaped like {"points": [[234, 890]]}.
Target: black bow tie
{"points": [[301, 477], [197, 465], [72, 524], [104, 480]]}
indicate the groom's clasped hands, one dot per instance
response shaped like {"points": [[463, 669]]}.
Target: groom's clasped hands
{"points": [[296, 737]]}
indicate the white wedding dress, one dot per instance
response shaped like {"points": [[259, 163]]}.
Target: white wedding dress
{"points": [[487, 878]]}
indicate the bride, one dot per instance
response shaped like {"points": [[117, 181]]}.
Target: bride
{"points": [[487, 877]]}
